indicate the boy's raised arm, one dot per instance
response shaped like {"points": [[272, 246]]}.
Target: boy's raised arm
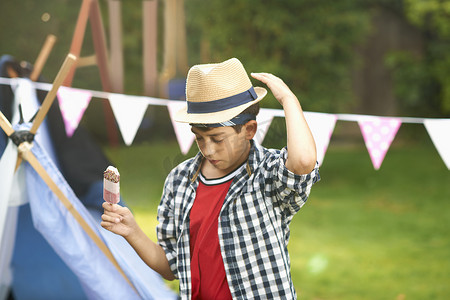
{"points": [[302, 154], [120, 220]]}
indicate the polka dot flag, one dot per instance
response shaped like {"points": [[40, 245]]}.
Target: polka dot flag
{"points": [[378, 134]]}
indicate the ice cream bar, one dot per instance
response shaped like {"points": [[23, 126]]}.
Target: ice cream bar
{"points": [[111, 185]]}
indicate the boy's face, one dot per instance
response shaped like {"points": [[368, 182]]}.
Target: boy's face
{"points": [[223, 148]]}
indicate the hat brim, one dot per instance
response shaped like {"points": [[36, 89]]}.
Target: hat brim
{"points": [[220, 116]]}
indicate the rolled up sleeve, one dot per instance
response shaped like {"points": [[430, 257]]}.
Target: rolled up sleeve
{"points": [[166, 229], [292, 189]]}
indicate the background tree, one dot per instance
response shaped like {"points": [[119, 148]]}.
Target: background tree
{"points": [[424, 82], [320, 48], [308, 43]]}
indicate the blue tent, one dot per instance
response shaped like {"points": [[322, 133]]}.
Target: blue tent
{"points": [[53, 258]]}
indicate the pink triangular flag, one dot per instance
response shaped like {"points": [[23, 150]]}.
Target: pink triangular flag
{"points": [[72, 103], [264, 119], [439, 131], [129, 112], [322, 127], [378, 134], [183, 132]]}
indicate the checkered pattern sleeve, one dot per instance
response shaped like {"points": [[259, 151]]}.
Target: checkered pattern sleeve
{"points": [[292, 190], [166, 229]]}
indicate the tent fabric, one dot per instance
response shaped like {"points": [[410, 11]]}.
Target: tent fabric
{"points": [[32, 255], [25, 93], [7, 217], [79, 158], [98, 277], [48, 276], [36, 269]]}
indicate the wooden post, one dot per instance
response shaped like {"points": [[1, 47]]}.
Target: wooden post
{"points": [[182, 62], [98, 37], [78, 36], [169, 65], [90, 11], [99, 40], [150, 38], [115, 38]]}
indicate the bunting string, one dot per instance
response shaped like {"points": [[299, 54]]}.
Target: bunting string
{"points": [[164, 102], [129, 110]]}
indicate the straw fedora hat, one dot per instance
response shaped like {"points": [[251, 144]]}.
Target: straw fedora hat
{"points": [[216, 93]]}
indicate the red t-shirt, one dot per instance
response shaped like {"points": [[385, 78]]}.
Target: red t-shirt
{"points": [[207, 270]]}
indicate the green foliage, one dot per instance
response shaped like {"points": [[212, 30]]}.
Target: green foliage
{"points": [[412, 83], [432, 14], [432, 17], [307, 43], [310, 44]]}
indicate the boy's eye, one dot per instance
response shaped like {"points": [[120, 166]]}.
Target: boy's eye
{"points": [[217, 141]]}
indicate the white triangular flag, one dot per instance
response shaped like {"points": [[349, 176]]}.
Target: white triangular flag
{"points": [[439, 131], [72, 103], [129, 112], [321, 126], [183, 132], [264, 119], [378, 134]]}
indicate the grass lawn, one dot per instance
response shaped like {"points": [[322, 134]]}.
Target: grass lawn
{"points": [[363, 234]]}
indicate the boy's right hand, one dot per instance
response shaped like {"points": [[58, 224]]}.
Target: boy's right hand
{"points": [[118, 219]]}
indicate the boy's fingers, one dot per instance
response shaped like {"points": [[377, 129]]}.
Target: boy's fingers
{"points": [[110, 207], [107, 206], [265, 77], [259, 76], [106, 225], [111, 219]]}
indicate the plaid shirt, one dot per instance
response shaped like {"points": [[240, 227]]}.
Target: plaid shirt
{"points": [[253, 224]]}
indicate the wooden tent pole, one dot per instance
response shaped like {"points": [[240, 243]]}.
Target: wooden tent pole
{"points": [[25, 150], [43, 110], [5, 125], [42, 57]]}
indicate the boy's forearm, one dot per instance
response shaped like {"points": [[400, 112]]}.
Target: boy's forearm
{"points": [[301, 146], [151, 253], [300, 142]]}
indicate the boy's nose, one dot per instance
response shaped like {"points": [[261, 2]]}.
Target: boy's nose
{"points": [[208, 150]]}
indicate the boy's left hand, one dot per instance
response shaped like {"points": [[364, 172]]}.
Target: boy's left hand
{"points": [[279, 89]]}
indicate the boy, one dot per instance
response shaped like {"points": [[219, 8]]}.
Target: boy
{"points": [[224, 215]]}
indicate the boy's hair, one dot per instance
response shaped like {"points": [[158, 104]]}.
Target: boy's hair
{"points": [[251, 110]]}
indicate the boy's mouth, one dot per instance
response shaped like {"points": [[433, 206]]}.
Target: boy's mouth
{"points": [[212, 161]]}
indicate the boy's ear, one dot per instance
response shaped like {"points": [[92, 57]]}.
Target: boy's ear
{"points": [[250, 129]]}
